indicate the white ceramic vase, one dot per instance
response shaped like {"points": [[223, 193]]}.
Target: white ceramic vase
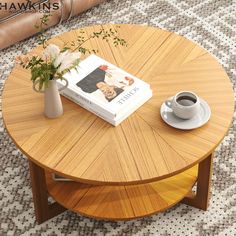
{"points": [[52, 100]]}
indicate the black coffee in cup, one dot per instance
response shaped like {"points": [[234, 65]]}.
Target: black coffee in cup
{"points": [[184, 104], [185, 100]]}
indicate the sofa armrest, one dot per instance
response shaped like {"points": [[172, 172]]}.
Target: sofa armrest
{"points": [[22, 26]]}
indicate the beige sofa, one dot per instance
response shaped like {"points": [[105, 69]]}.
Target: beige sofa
{"points": [[18, 25]]}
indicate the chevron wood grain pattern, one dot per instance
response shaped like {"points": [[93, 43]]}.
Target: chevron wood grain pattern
{"points": [[81, 146], [122, 202]]}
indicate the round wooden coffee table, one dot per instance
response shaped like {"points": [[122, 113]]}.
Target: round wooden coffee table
{"points": [[141, 167]]}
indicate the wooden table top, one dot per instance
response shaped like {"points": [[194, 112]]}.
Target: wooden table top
{"points": [[142, 148]]}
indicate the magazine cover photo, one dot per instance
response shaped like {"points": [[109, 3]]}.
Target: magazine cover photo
{"points": [[105, 83]]}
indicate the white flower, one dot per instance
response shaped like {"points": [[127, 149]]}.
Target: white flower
{"points": [[60, 58], [66, 60], [51, 52]]}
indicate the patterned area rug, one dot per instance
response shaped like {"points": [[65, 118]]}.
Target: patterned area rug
{"points": [[210, 23]]}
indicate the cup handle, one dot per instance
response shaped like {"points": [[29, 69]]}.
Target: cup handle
{"points": [[65, 86], [168, 103]]}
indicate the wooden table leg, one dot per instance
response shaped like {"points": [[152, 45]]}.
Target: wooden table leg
{"points": [[43, 210], [201, 198]]}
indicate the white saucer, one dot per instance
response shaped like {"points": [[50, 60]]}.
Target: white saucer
{"points": [[197, 121]]}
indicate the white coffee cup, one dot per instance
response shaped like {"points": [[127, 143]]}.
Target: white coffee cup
{"points": [[184, 104]]}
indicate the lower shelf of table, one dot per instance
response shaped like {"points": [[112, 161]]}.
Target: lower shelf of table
{"points": [[122, 202]]}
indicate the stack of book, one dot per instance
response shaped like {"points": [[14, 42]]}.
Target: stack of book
{"points": [[105, 90]]}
